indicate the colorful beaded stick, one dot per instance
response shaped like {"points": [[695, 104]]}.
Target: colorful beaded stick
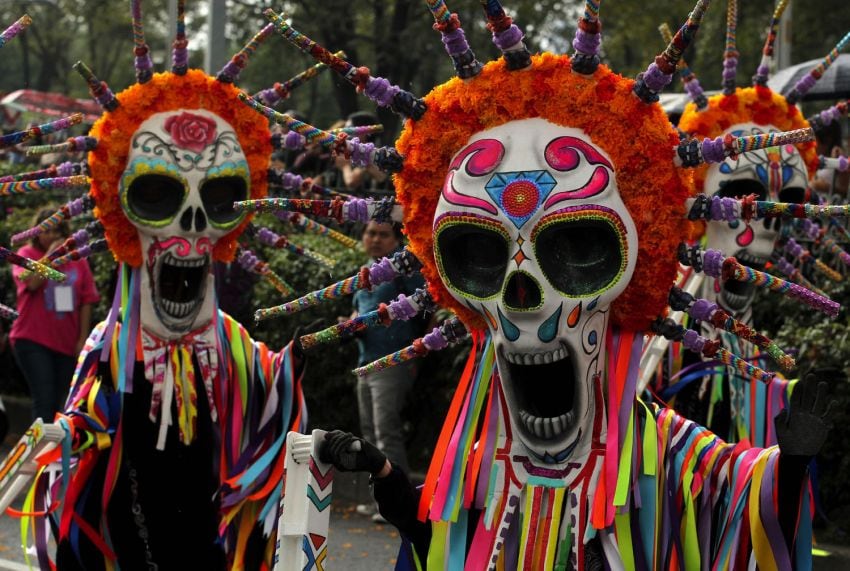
{"points": [[506, 36], [703, 207], [377, 89], [76, 240], [451, 332], [660, 72], [63, 169], [281, 91], [840, 163], [84, 251], [711, 348], [730, 54], [44, 129], [454, 40], [787, 269], [310, 225], [692, 153], [99, 90], [7, 312], [141, 52], [41, 269], [791, 247], [270, 238], [402, 308], [292, 181], [828, 115], [810, 79], [587, 40], [230, 72], [715, 264], [763, 70], [351, 210], [295, 141], [710, 312], [180, 45], [689, 79], [65, 212], [250, 262], [22, 24], [360, 154], [402, 263], [27, 186], [80, 144]]}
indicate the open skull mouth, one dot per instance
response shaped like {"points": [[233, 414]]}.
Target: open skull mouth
{"points": [[179, 287], [736, 295], [544, 391]]}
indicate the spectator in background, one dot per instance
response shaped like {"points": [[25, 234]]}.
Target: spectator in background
{"points": [[381, 395], [54, 321], [830, 184]]}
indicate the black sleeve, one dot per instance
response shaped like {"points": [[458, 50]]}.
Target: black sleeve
{"points": [[792, 475], [398, 502]]}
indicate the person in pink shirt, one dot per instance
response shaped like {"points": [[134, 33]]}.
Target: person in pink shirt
{"points": [[54, 322]]}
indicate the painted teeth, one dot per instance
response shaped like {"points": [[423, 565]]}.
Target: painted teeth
{"points": [[178, 309], [186, 263], [537, 358], [546, 427]]}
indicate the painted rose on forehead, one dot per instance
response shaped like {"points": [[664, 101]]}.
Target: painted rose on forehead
{"points": [[191, 131]]}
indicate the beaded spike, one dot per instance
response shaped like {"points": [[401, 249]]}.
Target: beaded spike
{"points": [[454, 39], [141, 52], [63, 169], [7, 312], [66, 212], [660, 72], [230, 72], [360, 154], [794, 249], [98, 89], [41, 269], [810, 79], [730, 54], [292, 181], [44, 129], [711, 348], [451, 332], [270, 238], [81, 253], [702, 207], [402, 263], [587, 40], [248, 260], [309, 225], [19, 26], [27, 186], [281, 91], [692, 153], [689, 79], [402, 308], [715, 264], [709, 312], [76, 240], [763, 71], [377, 89], [351, 210], [74, 144], [506, 35], [827, 116], [840, 163], [180, 46], [787, 269]]}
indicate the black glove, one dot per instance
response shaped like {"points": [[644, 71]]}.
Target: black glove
{"points": [[802, 427], [349, 453]]}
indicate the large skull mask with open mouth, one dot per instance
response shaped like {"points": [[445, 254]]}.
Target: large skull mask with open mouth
{"points": [[531, 233], [775, 174], [185, 169]]}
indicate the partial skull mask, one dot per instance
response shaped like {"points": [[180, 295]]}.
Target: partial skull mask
{"points": [[774, 174], [531, 233], [185, 169]]}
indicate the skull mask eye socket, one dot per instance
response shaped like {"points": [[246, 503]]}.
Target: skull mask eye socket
{"points": [[739, 188], [218, 196], [581, 253], [473, 258], [155, 198]]}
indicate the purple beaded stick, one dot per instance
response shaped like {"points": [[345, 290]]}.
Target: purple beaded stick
{"points": [[729, 209], [377, 89], [65, 212], [451, 332], [99, 91], [402, 263], [81, 144], [180, 45], [63, 169], [280, 91], [660, 72], [81, 253], [454, 40], [309, 225], [828, 115], [44, 129], [763, 71], [587, 40], [506, 36], [730, 54], [19, 26], [810, 79], [715, 264], [27, 186], [230, 72], [692, 153], [251, 263], [270, 238], [43, 270], [351, 210], [787, 269], [141, 52], [689, 78]]}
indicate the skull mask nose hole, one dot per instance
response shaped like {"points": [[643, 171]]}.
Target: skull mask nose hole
{"points": [[522, 293], [186, 220], [200, 221]]}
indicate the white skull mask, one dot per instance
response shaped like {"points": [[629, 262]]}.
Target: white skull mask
{"points": [[773, 174], [531, 233], [184, 171]]}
